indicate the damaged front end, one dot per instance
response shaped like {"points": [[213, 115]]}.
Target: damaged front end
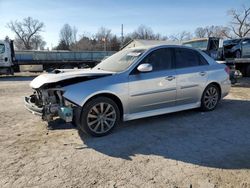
{"points": [[48, 100], [49, 103]]}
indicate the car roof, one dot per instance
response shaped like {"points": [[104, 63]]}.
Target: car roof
{"points": [[161, 46]]}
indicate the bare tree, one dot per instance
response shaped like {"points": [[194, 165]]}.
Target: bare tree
{"points": [[74, 34], [102, 40], [19, 44], [200, 32], [103, 34], [158, 36], [182, 36], [68, 38], [240, 23], [115, 44], [62, 46], [85, 43], [212, 31], [26, 31], [68, 34], [145, 32], [221, 32], [103, 37]]}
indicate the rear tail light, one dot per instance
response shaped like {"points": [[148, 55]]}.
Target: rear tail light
{"points": [[227, 70]]}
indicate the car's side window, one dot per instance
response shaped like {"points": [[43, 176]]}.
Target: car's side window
{"points": [[160, 59], [203, 61], [188, 58]]}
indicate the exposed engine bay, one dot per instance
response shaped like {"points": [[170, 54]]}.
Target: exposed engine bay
{"points": [[48, 101]]}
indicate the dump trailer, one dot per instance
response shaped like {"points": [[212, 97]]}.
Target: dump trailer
{"points": [[49, 60], [32, 60]]}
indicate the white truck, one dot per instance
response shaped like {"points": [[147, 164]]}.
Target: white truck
{"points": [[7, 57]]}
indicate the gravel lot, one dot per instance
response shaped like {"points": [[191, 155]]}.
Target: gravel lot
{"points": [[185, 149]]}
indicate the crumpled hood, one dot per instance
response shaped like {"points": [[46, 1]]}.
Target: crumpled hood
{"points": [[60, 75]]}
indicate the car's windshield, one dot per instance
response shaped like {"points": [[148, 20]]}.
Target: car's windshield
{"points": [[120, 61], [197, 44]]}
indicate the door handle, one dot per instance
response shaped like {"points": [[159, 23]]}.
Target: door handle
{"points": [[169, 78], [203, 73]]}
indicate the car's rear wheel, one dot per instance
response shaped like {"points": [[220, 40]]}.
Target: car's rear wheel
{"points": [[99, 116], [210, 98]]}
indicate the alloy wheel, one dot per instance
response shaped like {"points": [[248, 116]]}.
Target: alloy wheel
{"points": [[101, 118], [211, 98]]}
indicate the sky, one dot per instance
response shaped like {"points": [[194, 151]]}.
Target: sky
{"points": [[167, 17]]}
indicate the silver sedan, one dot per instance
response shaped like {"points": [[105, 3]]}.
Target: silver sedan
{"points": [[133, 83]]}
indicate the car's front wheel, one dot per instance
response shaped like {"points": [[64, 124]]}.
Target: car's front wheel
{"points": [[99, 116], [210, 98]]}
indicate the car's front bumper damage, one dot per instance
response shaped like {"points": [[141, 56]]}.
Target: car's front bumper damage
{"points": [[31, 107], [49, 107]]}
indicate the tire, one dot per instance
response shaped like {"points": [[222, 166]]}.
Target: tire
{"points": [[210, 98], [99, 116], [238, 54]]}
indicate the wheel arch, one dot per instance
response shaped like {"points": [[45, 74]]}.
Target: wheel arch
{"points": [[111, 96], [217, 85]]}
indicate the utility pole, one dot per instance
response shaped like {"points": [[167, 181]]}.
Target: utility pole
{"points": [[122, 37]]}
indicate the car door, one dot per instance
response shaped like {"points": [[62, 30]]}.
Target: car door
{"points": [[191, 75], [156, 89], [246, 48]]}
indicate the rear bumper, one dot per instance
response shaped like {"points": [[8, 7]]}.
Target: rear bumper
{"points": [[225, 88], [31, 107]]}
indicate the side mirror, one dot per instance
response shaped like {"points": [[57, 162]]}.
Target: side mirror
{"points": [[145, 67]]}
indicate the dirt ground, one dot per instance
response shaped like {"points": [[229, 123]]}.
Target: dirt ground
{"points": [[185, 149]]}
